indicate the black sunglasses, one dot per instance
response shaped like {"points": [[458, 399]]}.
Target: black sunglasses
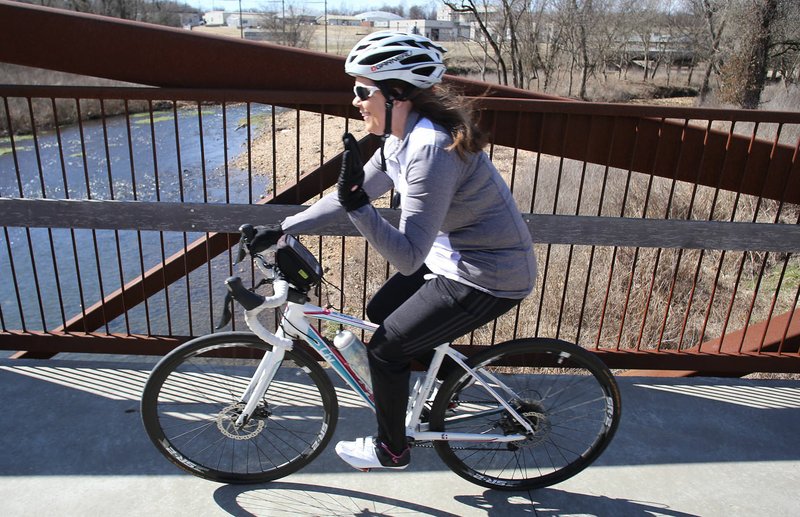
{"points": [[365, 92]]}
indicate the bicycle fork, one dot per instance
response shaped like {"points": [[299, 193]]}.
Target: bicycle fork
{"points": [[265, 372]]}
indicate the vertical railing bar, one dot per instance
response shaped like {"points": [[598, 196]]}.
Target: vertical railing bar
{"points": [[2, 320], [225, 169], [297, 145], [599, 213], [56, 274], [249, 153], [5, 229], [38, 153], [341, 275], [471, 340], [542, 288], [13, 143], [44, 195], [182, 197], [322, 111], [89, 196], [274, 153], [66, 195], [14, 280], [577, 210], [555, 211], [343, 247], [518, 309], [711, 215], [135, 198], [659, 251], [533, 205], [74, 242], [678, 259], [116, 232], [157, 179], [364, 284], [744, 253], [35, 272], [701, 253], [205, 200], [491, 141], [252, 266]]}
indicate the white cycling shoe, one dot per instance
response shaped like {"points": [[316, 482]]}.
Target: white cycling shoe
{"points": [[367, 453]]}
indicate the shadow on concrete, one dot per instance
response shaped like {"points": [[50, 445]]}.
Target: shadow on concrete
{"points": [[68, 418]]}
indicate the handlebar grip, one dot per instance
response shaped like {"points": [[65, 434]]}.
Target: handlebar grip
{"points": [[248, 299]]}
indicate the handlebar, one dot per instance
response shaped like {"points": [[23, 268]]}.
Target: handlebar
{"points": [[247, 298], [250, 300]]}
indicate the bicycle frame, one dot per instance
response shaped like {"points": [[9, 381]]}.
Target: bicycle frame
{"points": [[295, 323]]}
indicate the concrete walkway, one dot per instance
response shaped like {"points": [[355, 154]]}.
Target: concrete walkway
{"points": [[72, 444]]}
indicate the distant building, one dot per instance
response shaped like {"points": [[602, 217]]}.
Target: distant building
{"points": [[436, 30], [245, 20], [215, 18], [189, 20], [341, 20]]}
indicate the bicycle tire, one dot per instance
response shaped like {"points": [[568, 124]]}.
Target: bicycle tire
{"points": [[189, 404], [565, 392]]}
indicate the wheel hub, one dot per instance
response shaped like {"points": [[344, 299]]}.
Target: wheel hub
{"points": [[226, 422], [534, 413]]}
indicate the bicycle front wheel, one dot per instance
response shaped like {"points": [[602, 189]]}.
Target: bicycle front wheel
{"points": [[566, 394], [191, 402]]}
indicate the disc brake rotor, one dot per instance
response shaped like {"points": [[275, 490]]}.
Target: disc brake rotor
{"points": [[226, 423]]}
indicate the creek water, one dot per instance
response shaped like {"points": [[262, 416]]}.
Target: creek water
{"points": [[48, 276]]}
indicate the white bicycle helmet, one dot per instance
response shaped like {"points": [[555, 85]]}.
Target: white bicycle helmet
{"points": [[386, 55]]}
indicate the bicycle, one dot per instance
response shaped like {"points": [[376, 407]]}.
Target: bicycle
{"points": [[252, 407]]}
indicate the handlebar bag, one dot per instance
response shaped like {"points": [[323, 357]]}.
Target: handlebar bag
{"points": [[297, 264]]}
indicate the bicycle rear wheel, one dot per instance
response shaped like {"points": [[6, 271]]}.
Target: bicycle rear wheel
{"points": [[191, 401], [567, 395]]}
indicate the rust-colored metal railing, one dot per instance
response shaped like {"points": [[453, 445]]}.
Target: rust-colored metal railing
{"points": [[667, 238]]}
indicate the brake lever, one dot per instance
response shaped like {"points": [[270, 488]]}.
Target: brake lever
{"points": [[247, 233], [226, 311]]}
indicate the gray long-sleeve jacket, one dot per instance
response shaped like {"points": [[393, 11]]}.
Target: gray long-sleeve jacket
{"points": [[457, 216]]}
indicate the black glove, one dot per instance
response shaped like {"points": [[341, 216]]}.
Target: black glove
{"points": [[264, 238], [351, 176]]}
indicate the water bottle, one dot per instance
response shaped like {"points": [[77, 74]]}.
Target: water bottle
{"points": [[355, 353]]}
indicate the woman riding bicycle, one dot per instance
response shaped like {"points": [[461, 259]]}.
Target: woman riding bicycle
{"points": [[464, 255]]}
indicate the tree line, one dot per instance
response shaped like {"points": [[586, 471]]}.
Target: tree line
{"points": [[739, 44]]}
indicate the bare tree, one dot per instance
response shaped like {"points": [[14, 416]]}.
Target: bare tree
{"points": [[714, 14], [744, 72], [290, 28], [481, 12]]}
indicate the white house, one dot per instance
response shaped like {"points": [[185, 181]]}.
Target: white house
{"points": [[215, 18]]}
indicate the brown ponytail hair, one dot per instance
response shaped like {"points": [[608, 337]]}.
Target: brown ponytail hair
{"points": [[445, 107]]}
